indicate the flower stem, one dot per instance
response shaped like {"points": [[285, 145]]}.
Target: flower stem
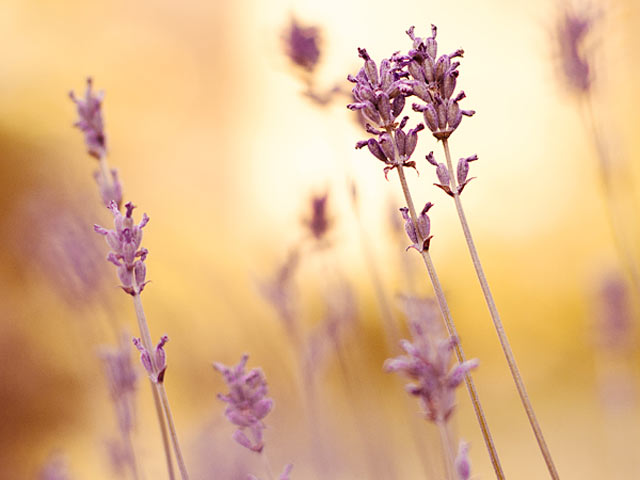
{"points": [[504, 341], [443, 428], [451, 329], [160, 395], [267, 465]]}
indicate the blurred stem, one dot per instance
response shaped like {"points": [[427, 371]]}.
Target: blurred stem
{"points": [[607, 184], [160, 395], [445, 439], [104, 170], [267, 465], [504, 341], [133, 463], [451, 329]]}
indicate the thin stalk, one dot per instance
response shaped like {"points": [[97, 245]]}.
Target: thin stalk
{"points": [[160, 395], [608, 189], [445, 439], [133, 463], [451, 329], [504, 341], [267, 465], [163, 430], [104, 170]]}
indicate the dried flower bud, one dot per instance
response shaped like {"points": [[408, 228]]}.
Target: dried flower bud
{"points": [[155, 363]]}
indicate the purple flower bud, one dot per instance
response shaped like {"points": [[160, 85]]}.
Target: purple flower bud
{"points": [[397, 105], [454, 115], [384, 108], [443, 174], [90, 120], [376, 150], [400, 139], [431, 159], [302, 45], [462, 463], [157, 365], [411, 140], [420, 238], [449, 84], [431, 117], [386, 143]]}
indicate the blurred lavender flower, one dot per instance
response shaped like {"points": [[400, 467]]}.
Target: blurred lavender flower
{"points": [[462, 463], [126, 253], [427, 363], [90, 120], [424, 228], [110, 189], [121, 379], [55, 468], [319, 223], [284, 476], [572, 27], [434, 82], [613, 313], [302, 45], [247, 402], [155, 363]]}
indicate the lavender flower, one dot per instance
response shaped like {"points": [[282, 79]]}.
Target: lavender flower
{"points": [[302, 45], [247, 402], [427, 363], [284, 476], [442, 173], [121, 379], [110, 189], [126, 253], [434, 81], [319, 222], [155, 363], [462, 463], [614, 326], [572, 28], [90, 120], [420, 242]]}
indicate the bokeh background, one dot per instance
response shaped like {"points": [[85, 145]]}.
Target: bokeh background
{"points": [[208, 124]]}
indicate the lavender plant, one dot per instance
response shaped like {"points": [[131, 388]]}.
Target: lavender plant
{"points": [[433, 80], [247, 405], [380, 94]]}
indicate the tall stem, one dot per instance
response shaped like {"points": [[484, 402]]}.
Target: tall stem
{"points": [[445, 439], [504, 341], [160, 395], [451, 329]]}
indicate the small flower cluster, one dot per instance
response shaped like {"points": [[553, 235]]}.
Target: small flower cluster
{"points": [[155, 363], [462, 173], [420, 238], [247, 402], [90, 120], [126, 253], [427, 363]]}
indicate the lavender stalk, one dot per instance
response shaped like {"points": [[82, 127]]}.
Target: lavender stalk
{"points": [[434, 81], [380, 96]]}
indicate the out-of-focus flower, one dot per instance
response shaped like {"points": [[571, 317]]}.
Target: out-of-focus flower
{"points": [[319, 223], [121, 379], [285, 475], [90, 120], [126, 253], [155, 363], [110, 189], [55, 468], [428, 363], [302, 45], [247, 402], [420, 242], [613, 313], [462, 463], [572, 28]]}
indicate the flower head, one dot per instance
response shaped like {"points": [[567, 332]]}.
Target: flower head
{"points": [[247, 402], [155, 362], [90, 120], [302, 45], [126, 253], [427, 362]]}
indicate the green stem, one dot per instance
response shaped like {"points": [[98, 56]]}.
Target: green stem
{"points": [[502, 336]]}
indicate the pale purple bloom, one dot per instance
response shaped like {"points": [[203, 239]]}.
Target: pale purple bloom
{"points": [[247, 403], [420, 242], [302, 45], [572, 27], [427, 362], [285, 475], [90, 120], [121, 379], [433, 80], [126, 253], [155, 362], [462, 463]]}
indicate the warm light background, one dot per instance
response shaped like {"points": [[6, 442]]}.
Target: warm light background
{"points": [[213, 140]]}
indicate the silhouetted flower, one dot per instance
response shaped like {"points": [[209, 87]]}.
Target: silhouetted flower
{"points": [[155, 363], [247, 402], [126, 253], [302, 45], [572, 28], [90, 120]]}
